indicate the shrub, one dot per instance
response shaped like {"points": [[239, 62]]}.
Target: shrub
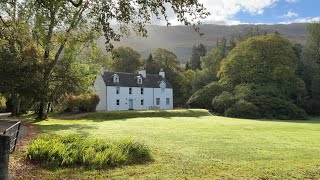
{"points": [[271, 107], [203, 97], [83, 103], [75, 150], [2, 104], [222, 102], [243, 109]]}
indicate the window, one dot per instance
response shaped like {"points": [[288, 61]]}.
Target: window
{"points": [[162, 89], [116, 78], [157, 101], [118, 90], [130, 90], [118, 102], [139, 80], [141, 90], [167, 101], [142, 102]]}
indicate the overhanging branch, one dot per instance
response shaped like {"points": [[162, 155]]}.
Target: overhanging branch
{"points": [[76, 4]]}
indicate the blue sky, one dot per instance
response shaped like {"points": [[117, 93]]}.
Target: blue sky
{"points": [[231, 12], [283, 12]]}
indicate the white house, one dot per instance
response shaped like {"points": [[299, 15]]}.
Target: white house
{"points": [[129, 91]]}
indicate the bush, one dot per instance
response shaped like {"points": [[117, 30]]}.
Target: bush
{"points": [[271, 107], [83, 103], [243, 109], [203, 97], [222, 102], [2, 104], [312, 106], [75, 150]]}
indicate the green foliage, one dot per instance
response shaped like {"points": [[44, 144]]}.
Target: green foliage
{"points": [[276, 108], [197, 52], [223, 102], [151, 66], [79, 103], [125, 59], [78, 150], [268, 58], [2, 104], [203, 97], [243, 109]]}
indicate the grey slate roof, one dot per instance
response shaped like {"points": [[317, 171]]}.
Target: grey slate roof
{"points": [[130, 80]]}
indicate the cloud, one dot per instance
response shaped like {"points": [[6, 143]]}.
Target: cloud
{"points": [[291, 1], [302, 20], [224, 11], [290, 14]]}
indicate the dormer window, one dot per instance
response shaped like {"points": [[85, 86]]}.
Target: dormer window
{"points": [[139, 80], [116, 78]]}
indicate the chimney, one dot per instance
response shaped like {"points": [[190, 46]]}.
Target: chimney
{"points": [[162, 73], [143, 73], [101, 71]]}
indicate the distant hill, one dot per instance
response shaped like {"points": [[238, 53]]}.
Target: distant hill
{"points": [[180, 39]]}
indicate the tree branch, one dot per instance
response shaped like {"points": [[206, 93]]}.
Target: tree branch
{"points": [[2, 20], [76, 4]]}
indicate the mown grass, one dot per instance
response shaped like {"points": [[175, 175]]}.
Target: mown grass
{"points": [[192, 144]]}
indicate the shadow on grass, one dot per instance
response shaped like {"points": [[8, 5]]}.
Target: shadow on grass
{"points": [[311, 120], [80, 129], [124, 115]]}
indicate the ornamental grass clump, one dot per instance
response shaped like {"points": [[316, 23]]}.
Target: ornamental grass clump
{"points": [[76, 150]]}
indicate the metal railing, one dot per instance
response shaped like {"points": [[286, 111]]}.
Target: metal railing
{"points": [[13, 132]]}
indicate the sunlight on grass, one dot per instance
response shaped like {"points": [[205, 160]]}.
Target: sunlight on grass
{"points": [[194, 144]]}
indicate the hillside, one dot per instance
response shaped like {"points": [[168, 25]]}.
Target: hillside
{"points": [[180, 39]]}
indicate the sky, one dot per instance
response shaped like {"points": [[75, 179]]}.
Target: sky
{"points": [[233, 12]]}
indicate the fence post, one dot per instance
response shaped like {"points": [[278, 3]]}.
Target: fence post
{"points": [[4, 156]]}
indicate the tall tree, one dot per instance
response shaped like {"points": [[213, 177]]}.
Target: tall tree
{"points": [[55, 22], [125, 59], [21, 64], [150, 65], [169, 62], [197, 52]]}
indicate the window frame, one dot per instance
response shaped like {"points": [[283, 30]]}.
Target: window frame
{"points": [[117, 90], [130, 90], [167, 101], [118, 102], [158, 101], [142, 102], [142, 91]]}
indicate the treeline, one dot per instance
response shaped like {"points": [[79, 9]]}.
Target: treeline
{"points": [[259, 76]]}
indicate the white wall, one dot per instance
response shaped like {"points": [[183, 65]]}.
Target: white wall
{"points": [[136, 96], [168, 93], [101, 90]]}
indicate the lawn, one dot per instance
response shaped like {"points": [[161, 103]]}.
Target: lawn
{"points": [[193, 144]]}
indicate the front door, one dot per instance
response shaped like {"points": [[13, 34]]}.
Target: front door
{"points": [[130, 104]]}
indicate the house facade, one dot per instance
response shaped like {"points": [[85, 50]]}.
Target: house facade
{"points": [[128, 91]]}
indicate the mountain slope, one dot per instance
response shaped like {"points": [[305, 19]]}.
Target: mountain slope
{"points": [[180, 39]]}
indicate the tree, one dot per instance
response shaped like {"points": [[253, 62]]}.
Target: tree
{"points": [[197, 52], [187, 79], [151, 66], [55, 22], [263, 59], [21, 65], [168, 61], [125, 59], [311, 68]]}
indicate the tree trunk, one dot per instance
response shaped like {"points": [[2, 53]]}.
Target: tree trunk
{"points": [[41, 114], [48, 108], [15, 111]]}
